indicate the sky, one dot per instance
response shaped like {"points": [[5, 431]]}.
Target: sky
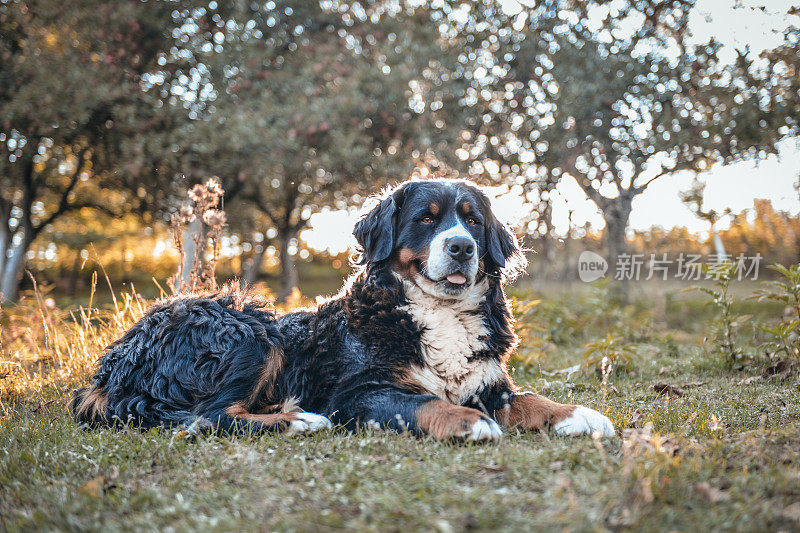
{"points": [[758, 24]]}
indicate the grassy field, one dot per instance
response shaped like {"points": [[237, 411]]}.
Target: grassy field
{"points": [[702, 445]]}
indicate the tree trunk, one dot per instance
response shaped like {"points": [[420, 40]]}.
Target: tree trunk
{"points": [[544, 259], [616, 215], [14, 267], [72, 285], [289, 277], [5, 243], [253, 267], [566, 264]]}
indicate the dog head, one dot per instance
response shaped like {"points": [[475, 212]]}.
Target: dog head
{"points": [[439, 234]]}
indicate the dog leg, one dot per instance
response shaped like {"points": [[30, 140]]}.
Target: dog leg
{"points": [[292, 423], [532, 411], [388, 407], [445, 421]]}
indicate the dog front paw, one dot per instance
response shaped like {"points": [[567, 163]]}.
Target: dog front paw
{"points": [[307, 423], [485, 430], [584, 421], [445, 421]]}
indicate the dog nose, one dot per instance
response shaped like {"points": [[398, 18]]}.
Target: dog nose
{"points": [[460, 248]]}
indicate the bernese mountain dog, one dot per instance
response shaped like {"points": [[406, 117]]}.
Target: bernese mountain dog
{"points": [[417, 340]]}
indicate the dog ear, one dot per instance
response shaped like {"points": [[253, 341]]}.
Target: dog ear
{"points": [[501, 242], [375, 232]]}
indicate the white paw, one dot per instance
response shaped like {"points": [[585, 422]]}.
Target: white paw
{"points": [[484, 430], [199, 425], [585, 421], [307, 423]]}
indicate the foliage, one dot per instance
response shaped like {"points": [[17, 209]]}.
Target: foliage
{"points": [[581, 316], [785, 334], [727, 322], [612, 95], [294, 107], [70, 81], [609, 354], [299, 106]]}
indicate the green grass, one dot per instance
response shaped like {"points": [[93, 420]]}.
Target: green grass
{"points": [[722, 457]]}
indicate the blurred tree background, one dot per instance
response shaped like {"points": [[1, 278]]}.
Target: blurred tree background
{"points": [[109, 112]]}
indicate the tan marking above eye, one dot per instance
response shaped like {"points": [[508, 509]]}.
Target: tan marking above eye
{"points": [[434, 208], [466, 207]]}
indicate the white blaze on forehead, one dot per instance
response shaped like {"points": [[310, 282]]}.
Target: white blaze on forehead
{"points": [[438, 258]]}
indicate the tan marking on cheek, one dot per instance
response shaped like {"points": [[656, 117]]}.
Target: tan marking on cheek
{"points": [[405, 256], [434, 208], [405, 264], [532, 411], [444, 420]]}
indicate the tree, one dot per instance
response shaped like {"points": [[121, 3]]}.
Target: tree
{"points": [[569, 89], [71, 75], [300, 107]]}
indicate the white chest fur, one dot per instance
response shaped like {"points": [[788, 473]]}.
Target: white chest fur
{"points": [[452, 332]]}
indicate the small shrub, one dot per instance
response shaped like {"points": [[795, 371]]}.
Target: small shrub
{"points": [[206, 210], [614, 350], [784, 337], [727, 322]]}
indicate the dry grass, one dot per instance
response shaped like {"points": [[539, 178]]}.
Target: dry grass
{"points": [[721, 456]]}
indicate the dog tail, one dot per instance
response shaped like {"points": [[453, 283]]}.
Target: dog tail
{"points": [[88, 405]]}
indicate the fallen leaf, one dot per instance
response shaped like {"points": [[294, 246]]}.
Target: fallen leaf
{"points": [[715, 424], [443, 526], [639, 440], [712, 494], [492, 468], [748, 381], [669, 390], [636, 419], [93, 487], [42, 405], [644, 491], [781, 369], [792, 511]]}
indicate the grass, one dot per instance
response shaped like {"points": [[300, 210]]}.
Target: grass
{"points": [[722, 456]]}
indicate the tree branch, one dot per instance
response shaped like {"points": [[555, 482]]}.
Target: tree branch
{"points": [[63, 204], [687, 165], [262, 205]]}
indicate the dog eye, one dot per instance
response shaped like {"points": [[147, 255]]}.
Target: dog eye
{"points": [[472, 221], [426, 220]]}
